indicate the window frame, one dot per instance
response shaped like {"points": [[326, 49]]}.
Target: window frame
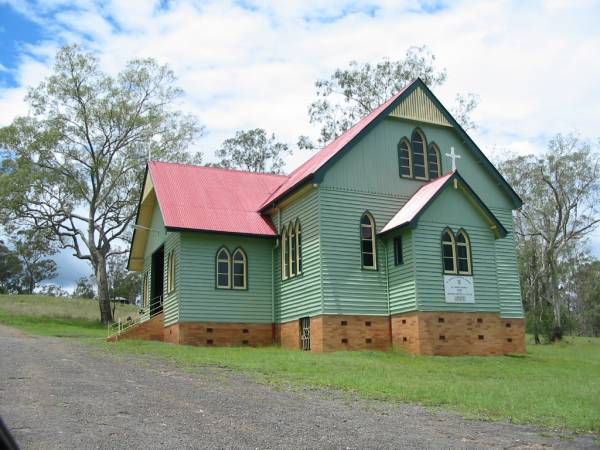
{"points": [[373, 240], [293, 253], [433, 147], [467, 245], [418, 131], [298, 247], [409, 147], [452, 244], [284, 254], [217, 273], [398, 254], [240, 251]]}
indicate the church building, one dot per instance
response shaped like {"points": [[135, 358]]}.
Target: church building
{"points": [[398, 234]]}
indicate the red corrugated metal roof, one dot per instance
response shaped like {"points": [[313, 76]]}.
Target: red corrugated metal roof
{"points": [[213, 199], [326, 153], [416, 203]]}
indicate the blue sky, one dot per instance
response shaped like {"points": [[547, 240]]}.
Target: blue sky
{"points": [[253, 63]]}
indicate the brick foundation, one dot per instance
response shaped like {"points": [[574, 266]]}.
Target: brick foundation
{"points": [[457, 333], [219, 334], [423, 333], [419, 333], [150, 330]]}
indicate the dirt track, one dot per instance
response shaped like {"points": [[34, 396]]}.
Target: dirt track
{"points": [[60, 393]]}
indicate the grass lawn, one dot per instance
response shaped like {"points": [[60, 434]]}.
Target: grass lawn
{"points": [[552, 385], [55, 316]]}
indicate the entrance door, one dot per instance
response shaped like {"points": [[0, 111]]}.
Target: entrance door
{"points": [[158, 274], [305, 333]]}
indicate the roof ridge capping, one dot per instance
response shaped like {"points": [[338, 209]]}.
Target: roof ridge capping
{"points": [[224, 169], [409, 214]]}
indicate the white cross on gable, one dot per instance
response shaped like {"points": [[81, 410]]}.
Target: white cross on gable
{"points": [[453, 156]]}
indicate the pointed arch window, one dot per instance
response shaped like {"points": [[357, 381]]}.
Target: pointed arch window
{"points": [[463, 253], [448, 251], [285, 261], [293, 250], [416, 159], [433, 162], [223, 269], [404, 158], [298, 247], [240, 269], [419, 167], [367, 242]]}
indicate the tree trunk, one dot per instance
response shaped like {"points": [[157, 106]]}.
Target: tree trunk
{"points": [[31, 283], [102, 285]]}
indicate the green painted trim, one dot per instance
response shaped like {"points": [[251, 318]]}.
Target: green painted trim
{"points": [[288, 193], [227, 233]]}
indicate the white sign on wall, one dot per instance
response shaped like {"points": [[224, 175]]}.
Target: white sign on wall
{"points": [[459, 289]]}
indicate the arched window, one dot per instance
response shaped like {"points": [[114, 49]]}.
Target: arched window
{"points": [[419, 168], [240, 269], [433, 162], [298, 247], [223, 269], [404, 158], [448, 251], [367, 242], [293, 250], [463, 252], [285, 261]]}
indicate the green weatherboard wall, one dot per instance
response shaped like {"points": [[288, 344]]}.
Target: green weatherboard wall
{"points": [[363, 178]]}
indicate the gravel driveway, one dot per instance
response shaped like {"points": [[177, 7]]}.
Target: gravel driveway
{"points": [[61, 393]]}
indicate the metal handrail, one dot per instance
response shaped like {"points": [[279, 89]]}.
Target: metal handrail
{"points": [[146, 313]]}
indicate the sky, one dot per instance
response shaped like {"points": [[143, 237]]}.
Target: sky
{"points": [[246, 64]]}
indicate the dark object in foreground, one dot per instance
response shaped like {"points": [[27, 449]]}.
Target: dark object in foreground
{"points": [[6, 440]]}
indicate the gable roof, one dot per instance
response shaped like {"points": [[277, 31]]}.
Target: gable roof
{"points": [[327, 154], [424, 197], [213, 199]]}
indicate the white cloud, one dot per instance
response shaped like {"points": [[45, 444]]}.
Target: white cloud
{"points": [[533, 64]]}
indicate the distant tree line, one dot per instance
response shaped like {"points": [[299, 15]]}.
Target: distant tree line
{"points": [[24, 262], [560, 279]]}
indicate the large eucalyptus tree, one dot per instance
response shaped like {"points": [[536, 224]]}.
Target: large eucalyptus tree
{"points": [[78, 158]]}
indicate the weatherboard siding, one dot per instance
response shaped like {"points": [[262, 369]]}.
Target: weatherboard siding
{"points": [[300, 296], [171, 299], [402, 287], [201, 301], [347, 287], [452, 209], [371, 165], [509, 284]]}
